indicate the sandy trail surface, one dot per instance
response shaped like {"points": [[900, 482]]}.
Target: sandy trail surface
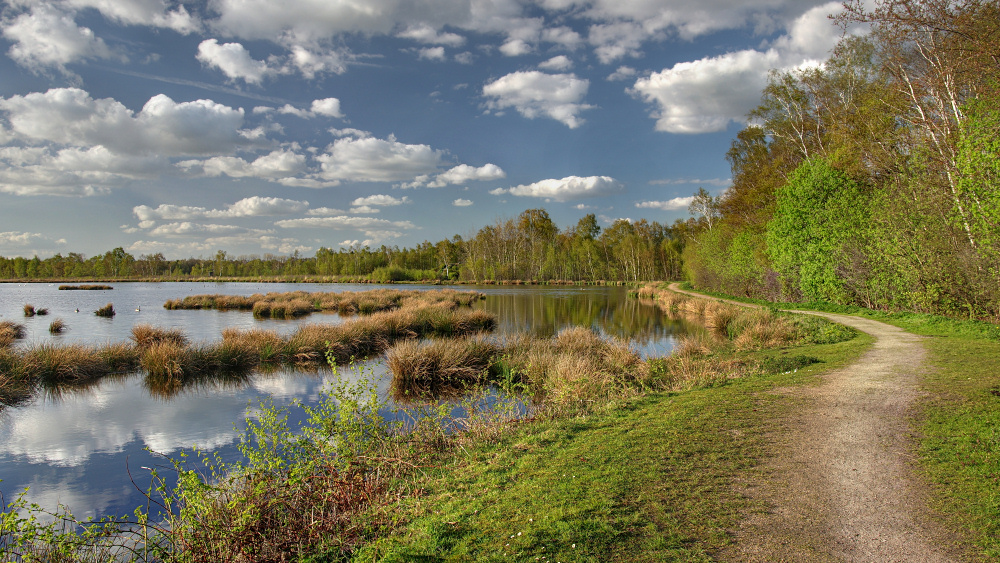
{"points": [[841, 485]]}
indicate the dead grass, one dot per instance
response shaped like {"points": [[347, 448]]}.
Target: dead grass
{"points": [[9, 332], [144, 336], [107, 311], [57, 326]]}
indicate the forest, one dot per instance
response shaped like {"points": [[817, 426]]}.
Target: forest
{"points": [[869, 180]]}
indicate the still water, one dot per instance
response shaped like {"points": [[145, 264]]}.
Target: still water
{"points": [[77, 447]]}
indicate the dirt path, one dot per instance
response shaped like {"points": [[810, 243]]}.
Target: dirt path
{"points": [[841, 487]]}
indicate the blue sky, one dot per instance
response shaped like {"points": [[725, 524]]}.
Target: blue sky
{"points": [[265, 126]]}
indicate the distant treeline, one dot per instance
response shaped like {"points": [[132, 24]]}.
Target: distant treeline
{"points": [[528, 248], [874, 179]]}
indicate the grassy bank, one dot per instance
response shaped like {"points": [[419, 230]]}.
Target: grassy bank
{"points": [[958, 416]]}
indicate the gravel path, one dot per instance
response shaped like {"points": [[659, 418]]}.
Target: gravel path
{"points": [[841, 486]]}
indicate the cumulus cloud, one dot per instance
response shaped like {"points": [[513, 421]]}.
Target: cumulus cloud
{"points": [[255, 206], [154, 13], [462, 202], [465, 173], [431, 54], [424, 33], [708, 94], [669, 205], [70, 116], [381, 200], [622, 73], [276, 165], [377, 160], [566, 189], [233, 60], [46, 37], [557, 63], [534, 94], [329, 107]]}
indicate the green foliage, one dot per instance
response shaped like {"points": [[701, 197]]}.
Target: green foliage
{"points": [[820, 214]]}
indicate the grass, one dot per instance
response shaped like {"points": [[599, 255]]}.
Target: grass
{"points": [[29, 310], [144, 336], [57, 326], [299, 303], [107, 311], [9, 332], [91, 287]]}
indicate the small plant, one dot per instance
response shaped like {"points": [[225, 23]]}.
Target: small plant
{"points": [[42, 312], [57, 326], [29, 310], [107, 311]]}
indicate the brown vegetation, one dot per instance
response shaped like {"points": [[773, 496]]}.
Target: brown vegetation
{"points": [[106, 311], [57, 326]]}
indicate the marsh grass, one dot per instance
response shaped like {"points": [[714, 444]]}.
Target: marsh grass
{"points": [[29, 310], [57, 326], [107, 311], [144, 336], [90, 287], [61, 363], [299, 303], [9, 332]]}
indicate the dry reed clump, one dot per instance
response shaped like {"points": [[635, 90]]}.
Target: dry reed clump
{"points": [[57, 326], [9, 332], [165, 359], [85, 287], [442, 361], [266, 344], [145, 335], [119, 357], [718, 316], [696, 344], [29, 310], [53, 364], [760, 328], [107, 311]]}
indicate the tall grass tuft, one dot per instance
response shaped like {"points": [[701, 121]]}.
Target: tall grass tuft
{"points": [[29, 310], [106, 311], [144, 335], [57, 326], [9, 332], [53, 364]]}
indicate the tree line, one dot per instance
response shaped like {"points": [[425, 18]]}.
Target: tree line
{"points": [[528, 248], [873, 179]]}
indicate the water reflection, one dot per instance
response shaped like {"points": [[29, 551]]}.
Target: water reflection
{"points": [[74, 444]]}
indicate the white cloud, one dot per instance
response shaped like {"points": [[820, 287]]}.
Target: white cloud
{"points": [[365, 210], [534, 94], [377, 160], [557, 63], [329, 107], [233, 60], [669, 205], [380, 200], [424, 33], [465, 173], [615, 40], [566, 189], [70, 116], [563, 36], [708, 94], [461, 202], [155, 13], [516, 48], [431, 54], [187, 228], [622, 73], [276, 165], [350, 132], [255, 206], [465, 58], [46, 37], [324, 211]]}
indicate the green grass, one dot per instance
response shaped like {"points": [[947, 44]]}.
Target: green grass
{"points": [[655, 479], [960, 436]]}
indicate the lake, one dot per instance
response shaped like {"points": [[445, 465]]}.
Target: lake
{"points": [[77, 447]]}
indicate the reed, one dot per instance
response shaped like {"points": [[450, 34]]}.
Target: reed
{"points": [[107, 311], [57, 326], [42, 311], [9, 332], [266, 344], [445, 362], [90, 287], [29, 310], [55, 364], [144, 335]]}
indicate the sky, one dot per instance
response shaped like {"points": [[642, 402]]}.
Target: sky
{"points": [[266, 126]]}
